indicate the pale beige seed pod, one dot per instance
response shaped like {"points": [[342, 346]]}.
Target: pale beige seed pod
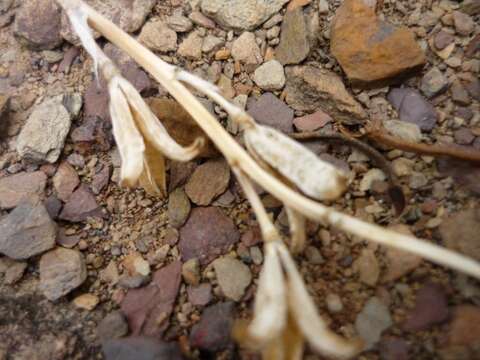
{"points": [[315, 177]]}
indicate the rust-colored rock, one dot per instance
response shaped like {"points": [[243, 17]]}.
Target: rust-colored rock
{"points": [[372, 51]]}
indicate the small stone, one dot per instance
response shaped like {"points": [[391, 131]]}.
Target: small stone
{"points": [[191, 272], [213, 331], [312, 122], [418, 180], [113, 326], [461, 232], [200, 295], [233, 277], [252, 237], [225, 86], [402, 166], [246, 50], [413, 108], [323, 7], [27, 231], [100, 179], [257, 256], [43, 135], [433, 83], [270, 76], [241, 14], [459, 93], [22, 185], [464, 24], [52, 57], [443, 39], [372, 51], [81, 205], [372, 321], [309, 88], [109, 275], [198, 18], [472, 84], [334, 303], [14, 271], [86, 302], [208, 181], [61, 271], [191, 47], [470, 7], [464, 329], [368, 268], [393, 349], [212, 43], [179, 23], [463, 136], [65, 181], [404, 130], [371, 176], [314, 256], [157, 36], [37, 24], [178, 208], [140, 348], [431, 308], [294, 44], [269, 110]]}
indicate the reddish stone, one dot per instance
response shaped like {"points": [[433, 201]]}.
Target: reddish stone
{"points": [[81, 205], [101, 179], [200, 295], [65, 181], [312, 122], [269, 110], [22, 185], [252, 237], [465, 326]]}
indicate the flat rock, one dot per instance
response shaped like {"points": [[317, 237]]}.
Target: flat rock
{"points": [[178, 208], [309, 88], [101, 179], [27, 231], [43, 135], [207, 234], [413, 108], [241, 14], [65, 181], [208, 181], [22, 185], [113, 326], [200, 295], [368, 268], [271, 111], [400, 263], [212, 333], [294, 44], [433, 83], [158, 36], [147, 309], [431, 308], [179, 23], [191, 46], [233, 277], [61, 271], [180, 172], [372, 51], [464, 24], [245, 49], [140, 348], [81, 205], [37, 24], [130, 15], [372, 321], [312, 122], [270, 76], [461, 232], [403, 130]]}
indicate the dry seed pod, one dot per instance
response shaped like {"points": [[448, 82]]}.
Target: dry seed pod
{"points": [[297, 230], [316, 178]]}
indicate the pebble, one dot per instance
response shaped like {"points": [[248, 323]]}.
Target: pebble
{"points": [[369, 177], [404, 130], [393, 349], [61, 271], [101, 179], [241, 14], [81, 205], [418, 180], [269, 110], [27, 231], [191, 46], [233, 277], [198, 18], [113, 326], [372, 321], [334, 303], [464, 24], [372, 51], [191, 272], [65, 181], [413, 108], [200, 295], [294, 44], [147, 309], [208, 181], [461, 232], [463, 136], [43, 135], [314, 256], [158, 36], [443, 39], [37, 24], [459, 93], [22, 185], [212, 43], [309, 88], [178, 208], [179, 23], [270, 76], [470, 7], [464, 329], [367, 267], [86, 302], [13, 270], [433, 83], [245, 49], [136, 265], [431, 308], [256, 255], [141, 348], [213, 331], [312, 122]]}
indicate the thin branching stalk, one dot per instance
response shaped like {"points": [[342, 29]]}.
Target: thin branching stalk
{"points": [[239, 158]]}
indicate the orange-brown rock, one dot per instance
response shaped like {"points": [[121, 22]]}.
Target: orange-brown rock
{"points": [[372, 51]]}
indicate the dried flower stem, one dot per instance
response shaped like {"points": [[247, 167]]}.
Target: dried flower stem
{"points": [[238, 157]]}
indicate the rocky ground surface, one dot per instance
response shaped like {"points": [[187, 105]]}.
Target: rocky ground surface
{"points": [[90, 270]]}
